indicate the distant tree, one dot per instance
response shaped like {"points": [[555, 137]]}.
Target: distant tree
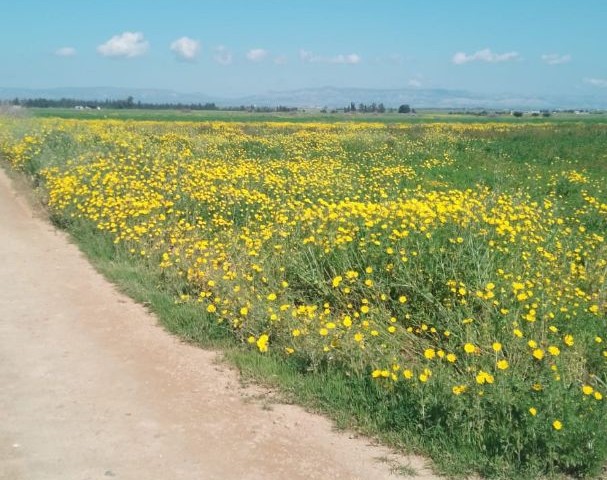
{"points": [[404, 109], [546, 114], [381, 108], [517, 114], [352, 107]]}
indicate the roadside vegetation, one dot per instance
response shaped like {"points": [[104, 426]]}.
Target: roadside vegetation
{"points": [[441, 286]]}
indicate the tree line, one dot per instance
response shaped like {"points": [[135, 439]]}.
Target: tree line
{"points": [[130, 103], [376, 108]]}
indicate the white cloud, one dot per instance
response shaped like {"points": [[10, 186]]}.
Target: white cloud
{"points": [[485, 55], [555, 58], [185, 48], [65, 52], [257, 54], [351, 58], [127, 44], [280, 59], [309, 57], [597, 82], [306, 56], [223, 55], [414, 82]]}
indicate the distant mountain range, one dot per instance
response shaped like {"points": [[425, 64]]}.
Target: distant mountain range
{"points": [[419, 98], [330, 97]]}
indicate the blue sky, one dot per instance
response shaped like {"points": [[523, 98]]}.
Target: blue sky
{"points": [[238, 47]]}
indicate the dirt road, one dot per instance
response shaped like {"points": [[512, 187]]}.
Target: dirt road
{"points": [[91, 388]]}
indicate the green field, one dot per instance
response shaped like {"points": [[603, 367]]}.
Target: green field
{"points": [[311, 115], [439, 283]]}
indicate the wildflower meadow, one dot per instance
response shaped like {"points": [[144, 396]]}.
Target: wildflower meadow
{"points": [[446, 281]]}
